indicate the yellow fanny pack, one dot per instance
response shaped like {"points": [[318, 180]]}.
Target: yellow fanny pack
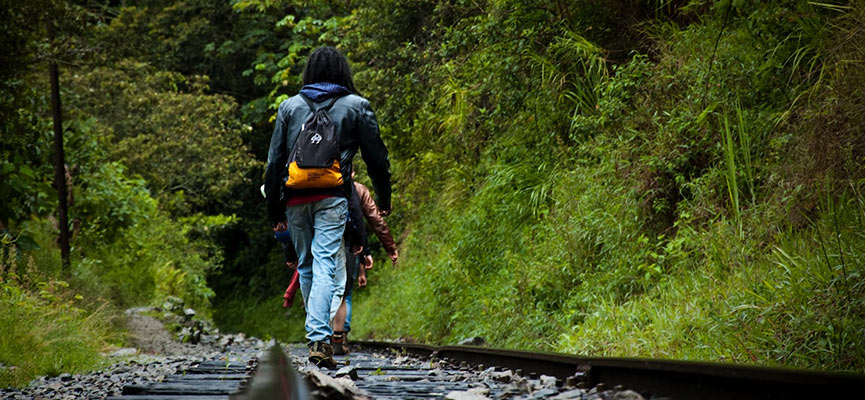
{"points": [[313, 178]]}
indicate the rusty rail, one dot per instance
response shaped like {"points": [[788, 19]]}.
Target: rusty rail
{"points": [[668, 378]]}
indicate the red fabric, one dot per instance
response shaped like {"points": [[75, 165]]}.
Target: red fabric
{"points": [[298, 200], [291, 290]]}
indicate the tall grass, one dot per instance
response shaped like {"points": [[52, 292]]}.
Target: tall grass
{"points": [[784, 307], [738, 162], [730, 176], [46, 331], [575, 68], [745, 149]]}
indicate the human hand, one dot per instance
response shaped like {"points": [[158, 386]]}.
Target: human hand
{"points": [[367, 263], [383, 213], [356, 249], [361, 279], [280, 226], [394, 257], [291, 264]]}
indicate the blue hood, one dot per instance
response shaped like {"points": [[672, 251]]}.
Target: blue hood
{"points": [[323, 90]]}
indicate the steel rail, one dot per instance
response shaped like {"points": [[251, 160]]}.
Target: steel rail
{"points": [[666, 378], [275, 378]]}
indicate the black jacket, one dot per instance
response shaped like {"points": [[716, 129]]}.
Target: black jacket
{"points": [[355, 229], [358, 129]]}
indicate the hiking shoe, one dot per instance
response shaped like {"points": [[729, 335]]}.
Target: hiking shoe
{"points": [[338, 342], [345, 343], [321, 354]]}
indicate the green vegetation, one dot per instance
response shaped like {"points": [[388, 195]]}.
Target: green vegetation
{"points": [[678, 179], [696, 196], [152, 162], [43, 330], [263, 317]]}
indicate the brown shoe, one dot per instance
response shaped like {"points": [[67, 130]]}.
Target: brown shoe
{"points": [[321, 354], [338, 343]]}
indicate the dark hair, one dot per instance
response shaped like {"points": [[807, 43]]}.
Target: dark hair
{"points": [[327, 64]]}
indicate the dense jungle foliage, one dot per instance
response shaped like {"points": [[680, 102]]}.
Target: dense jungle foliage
{"points": [[654, 178]]}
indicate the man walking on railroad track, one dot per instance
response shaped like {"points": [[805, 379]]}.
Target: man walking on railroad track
{"points": [[315, 138]]}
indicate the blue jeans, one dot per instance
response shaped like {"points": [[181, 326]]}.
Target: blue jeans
{"points": [[339, 281], [352, 276], [316, 230]]}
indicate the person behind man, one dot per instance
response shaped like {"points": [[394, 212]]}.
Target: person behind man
{"points": [[356, 266], [374, 216], [316, 217], [355, 247]]}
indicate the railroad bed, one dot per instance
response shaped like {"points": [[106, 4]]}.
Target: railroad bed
{"points": [[368, 372], [207, 380], [409, 371], [388, 373]]}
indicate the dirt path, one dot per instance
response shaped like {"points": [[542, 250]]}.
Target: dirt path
{"points": [[149, 336]]}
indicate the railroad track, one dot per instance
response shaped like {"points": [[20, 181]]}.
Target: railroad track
{"points": [[211, 379], [401, 371], [653, 378]]}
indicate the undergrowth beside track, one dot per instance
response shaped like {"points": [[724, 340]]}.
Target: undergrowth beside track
{"points": [[698, 199]]}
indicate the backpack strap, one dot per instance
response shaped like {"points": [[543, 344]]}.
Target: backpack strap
{"points": [[308, 103], [312, 105], [329, 105]]}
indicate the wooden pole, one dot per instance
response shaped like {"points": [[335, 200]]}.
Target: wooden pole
{"points": [[59, 163]]}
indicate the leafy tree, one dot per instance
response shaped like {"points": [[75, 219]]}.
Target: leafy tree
{"points": [[186, 144], [36, 33]]}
